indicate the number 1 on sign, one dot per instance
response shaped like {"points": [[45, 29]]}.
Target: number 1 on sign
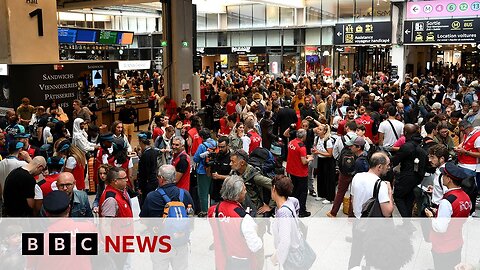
{"points": [[38, 12]]}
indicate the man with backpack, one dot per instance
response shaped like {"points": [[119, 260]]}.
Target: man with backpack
{"points": [[147, 166], [413, 160], [363, 185], [169, 201]]}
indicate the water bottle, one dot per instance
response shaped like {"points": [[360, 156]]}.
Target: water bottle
{"points": [[415, 164], [190, 211]]}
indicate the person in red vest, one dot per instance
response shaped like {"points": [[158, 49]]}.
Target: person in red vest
{"points": [[236, 241], [468, 152], [120, 158], [297, 167], [75, 162], [349, 117], [103, 153], [48, 184], [252, 134], [453, 209], [181, 162], [115, 201], [365, 119]]}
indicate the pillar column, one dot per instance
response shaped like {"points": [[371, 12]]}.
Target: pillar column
{"points": [[178, 32], [28, 31], [399, 51]]}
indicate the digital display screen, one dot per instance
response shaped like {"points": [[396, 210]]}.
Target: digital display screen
{"points": [[86, 36], [125, 38], [108, 37], [67, 35]]}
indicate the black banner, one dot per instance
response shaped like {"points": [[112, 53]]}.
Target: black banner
{"points": [[442, 31], [363, 33]]}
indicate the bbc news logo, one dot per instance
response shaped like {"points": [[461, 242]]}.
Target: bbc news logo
{"points": [[87, 244]]}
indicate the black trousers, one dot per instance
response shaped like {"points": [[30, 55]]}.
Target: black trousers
{"points": [[405, 204], [300, 191]]}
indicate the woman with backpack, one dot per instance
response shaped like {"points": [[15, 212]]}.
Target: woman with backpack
{"points": [[120, 158], [323, 151], [118, 132]]}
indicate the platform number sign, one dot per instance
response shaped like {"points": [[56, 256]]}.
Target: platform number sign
{"points": [[38, 13]]}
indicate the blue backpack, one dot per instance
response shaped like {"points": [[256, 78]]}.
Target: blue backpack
{"points": [[173, 209]]}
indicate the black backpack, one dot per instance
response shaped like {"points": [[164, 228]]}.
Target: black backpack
{"points": [[371, 208], [264, 160], [346, 160]]}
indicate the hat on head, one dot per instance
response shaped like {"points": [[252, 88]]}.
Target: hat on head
{"points": [[453, 171], [56, 160], [56, 202], [63, 146], [46, 147], [22, 136], [107, 137], [144, 135], [359, 141], [351, 141], [19, 145]]}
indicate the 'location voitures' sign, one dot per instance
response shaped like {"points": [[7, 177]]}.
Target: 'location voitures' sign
{"points": [[442, 31], [363, 33]]}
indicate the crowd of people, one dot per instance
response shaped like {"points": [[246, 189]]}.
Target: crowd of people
{"points": [[256, 146]]}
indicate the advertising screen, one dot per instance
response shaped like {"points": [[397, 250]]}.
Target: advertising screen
{"points": [[86, 36], [67, 35], [108, 37], [125, 38]]}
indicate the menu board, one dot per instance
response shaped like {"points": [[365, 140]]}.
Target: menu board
{"points": [[67, 35], [87, 36], [108, 37]]}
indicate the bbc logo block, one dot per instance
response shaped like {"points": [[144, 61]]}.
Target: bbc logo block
{"points": [[60, 244]]}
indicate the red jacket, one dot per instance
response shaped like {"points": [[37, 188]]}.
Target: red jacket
{"points": [[469, 145], [123, 201], [255, 140], [184, 182], [228, 226]]}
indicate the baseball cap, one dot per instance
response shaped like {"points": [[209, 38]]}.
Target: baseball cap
{"points": [[351, 141], [359, 141], [56, 202]]}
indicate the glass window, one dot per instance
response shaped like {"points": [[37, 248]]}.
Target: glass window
{"points": [[212, 21], [329, 12], [312, 36], [258, 15], [200, 40], [273, 38], [273, 16], [245, 38], [314, 11], [246, 16], [288, 38], [259, 38], [345, 11], [327, 36], [201, 21], [222, 39], [234, 39], [287, 16], [363, 10], [381, 10], [233, 17], [212, 39]]}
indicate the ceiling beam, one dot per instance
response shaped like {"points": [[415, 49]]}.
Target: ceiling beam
{"points": [[65, 5]]}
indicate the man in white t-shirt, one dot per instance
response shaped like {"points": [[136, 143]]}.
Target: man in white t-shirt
{"points": [[362, 190], [390, 130], [11, 162]]}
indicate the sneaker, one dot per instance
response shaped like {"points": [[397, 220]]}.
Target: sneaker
{"points": [[313, 193], [202, 214], [318, 198], [326, 202], [304, 214], [329, 214]]}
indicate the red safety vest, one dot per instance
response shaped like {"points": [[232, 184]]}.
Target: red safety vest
{"points": [[229, 220], [184, 182], [79, 175], [255, 140], [111, 161], [46, 183], [452, 239], [123, 201], [469, 145]]}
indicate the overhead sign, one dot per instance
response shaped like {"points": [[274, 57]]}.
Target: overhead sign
{"points": [[443, 9], [134, 65], [442, 31], [363, 33], [3, 70]]}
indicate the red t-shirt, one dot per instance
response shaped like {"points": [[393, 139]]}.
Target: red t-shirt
{"points": [[341, 128], [157, 131], [224, 128], [196, 140], [297, 150], [231, 107], [367, 121]]}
